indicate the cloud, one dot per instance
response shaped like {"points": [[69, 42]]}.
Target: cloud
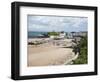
{"points": [[57, 23]]}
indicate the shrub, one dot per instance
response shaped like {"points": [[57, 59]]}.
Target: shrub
{"points": [[82, 59]]}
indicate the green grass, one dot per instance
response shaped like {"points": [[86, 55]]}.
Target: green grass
{"points": [[53, 33]]}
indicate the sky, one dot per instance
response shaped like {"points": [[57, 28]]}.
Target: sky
{"points": [[57, 23]]}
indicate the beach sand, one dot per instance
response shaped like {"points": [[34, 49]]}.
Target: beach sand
{"points": [[48, 55]]}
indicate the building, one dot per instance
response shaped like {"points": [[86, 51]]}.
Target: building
{"points": [[76, 35], [81, 34], [61, 35], [69, 35]]}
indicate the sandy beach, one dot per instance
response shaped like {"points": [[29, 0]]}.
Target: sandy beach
{"points": [[49, 54], [55, 40]]}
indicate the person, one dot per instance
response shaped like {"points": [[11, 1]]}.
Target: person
{"points": [[76, 50]]}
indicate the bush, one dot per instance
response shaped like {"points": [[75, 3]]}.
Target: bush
{"points": [[82, 59]]}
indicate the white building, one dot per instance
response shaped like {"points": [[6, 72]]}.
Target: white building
{"points": [[62, 35]]}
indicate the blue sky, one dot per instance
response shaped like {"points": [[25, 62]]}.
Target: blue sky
{"points": [[57, 23]]}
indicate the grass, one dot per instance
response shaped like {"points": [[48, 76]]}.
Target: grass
{"points": [[53, 33]]}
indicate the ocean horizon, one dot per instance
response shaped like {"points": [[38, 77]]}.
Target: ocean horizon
{"points": [[35, 34]]}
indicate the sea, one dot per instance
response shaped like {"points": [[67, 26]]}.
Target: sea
{"points": [[32, 34]]}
